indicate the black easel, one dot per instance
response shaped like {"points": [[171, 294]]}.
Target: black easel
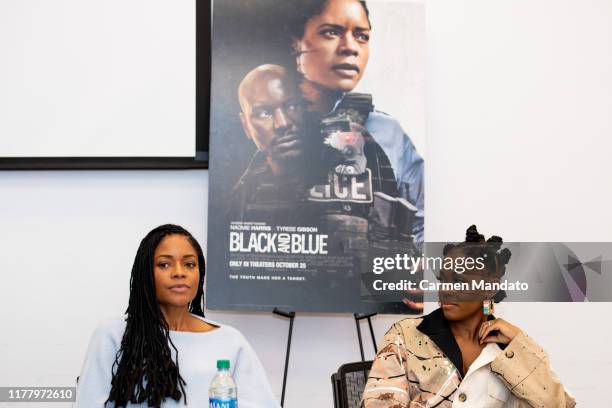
{"points": [[358, 318], [290, 316]]}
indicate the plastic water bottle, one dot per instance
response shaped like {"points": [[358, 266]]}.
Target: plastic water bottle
{"points": [[222, 392]]}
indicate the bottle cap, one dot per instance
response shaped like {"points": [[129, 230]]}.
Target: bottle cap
{"points": [[223, 364]]}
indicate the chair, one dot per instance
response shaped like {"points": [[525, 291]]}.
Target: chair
{"points": [[349, 382]]}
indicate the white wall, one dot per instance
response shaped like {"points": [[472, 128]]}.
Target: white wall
{"points": [[518, 139]]}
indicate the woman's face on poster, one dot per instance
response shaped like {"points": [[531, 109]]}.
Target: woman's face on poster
{"points": [[335, 49]]}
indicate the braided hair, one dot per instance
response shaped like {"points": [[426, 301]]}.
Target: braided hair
{"points": [[144, 367], [475, 246]]}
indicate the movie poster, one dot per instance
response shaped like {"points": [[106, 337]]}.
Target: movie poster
{"points": [[316, 166]]}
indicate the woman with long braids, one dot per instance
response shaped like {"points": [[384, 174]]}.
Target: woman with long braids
{"points": [[460, 355], [164, 353]]}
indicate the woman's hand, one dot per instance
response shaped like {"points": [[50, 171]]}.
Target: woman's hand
{"points": [[506, 331]]}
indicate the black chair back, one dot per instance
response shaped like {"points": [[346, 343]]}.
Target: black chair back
{"points": [[349, 382]]}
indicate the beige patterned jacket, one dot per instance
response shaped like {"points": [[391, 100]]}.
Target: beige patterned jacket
{"points": [[416, 368]]}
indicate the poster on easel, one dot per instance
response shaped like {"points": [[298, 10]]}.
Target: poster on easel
{"points": [[316, 152]]}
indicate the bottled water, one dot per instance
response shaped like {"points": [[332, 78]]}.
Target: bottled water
{"points": [[222, 392]]}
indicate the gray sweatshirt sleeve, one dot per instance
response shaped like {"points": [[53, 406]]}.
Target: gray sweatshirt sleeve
{"points": [[254, 389], [94, 383]]}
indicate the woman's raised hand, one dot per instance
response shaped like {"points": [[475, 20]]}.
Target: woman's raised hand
{"points": [[505, 331]]}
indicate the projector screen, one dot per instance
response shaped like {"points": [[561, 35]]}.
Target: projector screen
{"points": [[98, 79]]}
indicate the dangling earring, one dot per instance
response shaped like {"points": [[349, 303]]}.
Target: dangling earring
{"points": [[487, 307]]}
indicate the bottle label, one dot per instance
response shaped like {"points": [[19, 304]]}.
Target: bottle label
{"points": [[223, 403]]}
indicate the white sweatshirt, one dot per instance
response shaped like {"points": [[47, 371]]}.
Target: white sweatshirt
{"points": [[198, 354]]}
